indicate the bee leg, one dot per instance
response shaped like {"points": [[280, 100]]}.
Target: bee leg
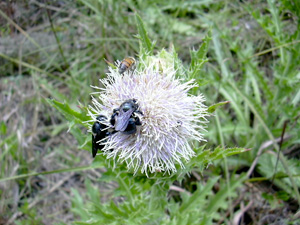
{"points": [[139, 112], [113, 117], [94, 146], [133, 67], [138, 121]]}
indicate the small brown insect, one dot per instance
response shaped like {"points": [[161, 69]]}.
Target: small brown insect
{"points": [[126, 64]]}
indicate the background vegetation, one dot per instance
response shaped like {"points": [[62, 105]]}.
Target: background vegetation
{"points": [[56, 50]]}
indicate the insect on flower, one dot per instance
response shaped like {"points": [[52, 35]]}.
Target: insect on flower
{"points": [[100, 131], [124, 118], [158, 122], [126, 64]]}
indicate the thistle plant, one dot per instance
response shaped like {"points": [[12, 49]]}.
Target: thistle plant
{"points": [[166, 144], [171, 117]]}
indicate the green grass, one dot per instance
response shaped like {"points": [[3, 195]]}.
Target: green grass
{"points": [[252, 61]]}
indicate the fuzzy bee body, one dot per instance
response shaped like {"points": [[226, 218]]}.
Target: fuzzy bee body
{"points": [[126, 64], [100, 132], [124, 118]]}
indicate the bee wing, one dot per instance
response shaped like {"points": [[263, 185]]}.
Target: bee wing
{"points": [[122, 120]]}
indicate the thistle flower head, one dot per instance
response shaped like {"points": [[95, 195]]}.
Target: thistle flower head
{"points": [[171, 117]]}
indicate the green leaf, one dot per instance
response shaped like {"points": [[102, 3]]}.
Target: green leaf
{"points": [[77, 202], [117, 210], [146, 45], [282, 195], [69, 113], [200, 54], [11, 143], [268, 164], [225, 191], [213, 108], [205, 157], [201, 193], [101, 212], [2, 128], [198, 58]]}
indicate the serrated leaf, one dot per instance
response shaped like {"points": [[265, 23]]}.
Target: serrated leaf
{"points": [[117, 210], [213, 108], [267, 164], [101, 214], [197, 195], [208, 156], [198, 58], [217, 200], [69, 113], [77, 202], [92, 191], [201, 52], [143, 36]]}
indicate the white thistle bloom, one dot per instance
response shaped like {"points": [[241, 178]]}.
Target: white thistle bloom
{"points": [[171, 118]]}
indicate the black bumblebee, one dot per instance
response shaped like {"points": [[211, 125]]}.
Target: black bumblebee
{"points": [[124, 118], [100, 131]]}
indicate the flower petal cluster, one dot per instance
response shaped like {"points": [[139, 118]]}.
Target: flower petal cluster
{"points": [[172, 118]]}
